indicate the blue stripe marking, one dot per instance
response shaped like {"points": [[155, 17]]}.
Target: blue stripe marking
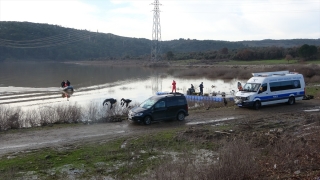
{"points": [[279, 96]]}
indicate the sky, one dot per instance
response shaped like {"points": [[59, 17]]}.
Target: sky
{"points": [[226, 20]]}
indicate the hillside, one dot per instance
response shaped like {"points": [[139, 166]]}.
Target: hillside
{"points": [[34, 41], [282, 43]]}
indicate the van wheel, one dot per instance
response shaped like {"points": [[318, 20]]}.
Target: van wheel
{"points": [[256, 105], [180, 116], [291, 100], [147, 120]]}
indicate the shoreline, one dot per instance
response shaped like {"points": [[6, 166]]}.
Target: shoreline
{"points": [[201, 64], [108, 63]]}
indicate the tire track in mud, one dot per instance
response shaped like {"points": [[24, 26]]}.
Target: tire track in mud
{"points": [[24, 140]]}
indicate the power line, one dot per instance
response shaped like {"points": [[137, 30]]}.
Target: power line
{"points": [[246, 12]]}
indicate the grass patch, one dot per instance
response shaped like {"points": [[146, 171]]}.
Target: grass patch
{"points": [[267, 62], [185, 62], [313, 90], [261, 62], [242, 62]]}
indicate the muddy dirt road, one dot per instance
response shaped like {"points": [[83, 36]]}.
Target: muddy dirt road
{"points": [[58, 136]]}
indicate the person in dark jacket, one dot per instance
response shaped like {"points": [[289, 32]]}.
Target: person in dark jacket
{"points": [[191, 90], [110, 100], [201, 89], [68, 83], [63, 84], [125, 101]]}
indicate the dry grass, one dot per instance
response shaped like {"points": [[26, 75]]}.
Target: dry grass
{"points": [[10, 118], [257, 148], [310, 72], [236, 160], [15, 118]]}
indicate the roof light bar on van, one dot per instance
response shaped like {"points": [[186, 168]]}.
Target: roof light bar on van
{"points": [[265, 74]]}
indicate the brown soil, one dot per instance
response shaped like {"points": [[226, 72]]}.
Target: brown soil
{"points": [[13, 141]]}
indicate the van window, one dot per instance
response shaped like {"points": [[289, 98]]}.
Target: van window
{"points": [[160, 104], [263, 87], [251, 87], [285, 85], [176, 102], [147, 103]]}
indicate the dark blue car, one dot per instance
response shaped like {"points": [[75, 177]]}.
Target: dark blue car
{"points": [[160, 107]]}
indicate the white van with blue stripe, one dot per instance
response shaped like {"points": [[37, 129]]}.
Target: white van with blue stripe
{"points": [[267, 88]]}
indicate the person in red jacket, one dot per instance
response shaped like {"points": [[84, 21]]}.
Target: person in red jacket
{"points": [[174, 86]]}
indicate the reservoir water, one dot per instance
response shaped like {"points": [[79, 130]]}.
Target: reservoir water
{"points": [[29, 85]]}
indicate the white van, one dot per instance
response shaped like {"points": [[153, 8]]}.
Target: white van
{"points": [[271, 88]]}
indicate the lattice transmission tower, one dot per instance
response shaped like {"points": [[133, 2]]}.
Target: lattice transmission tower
{"points": [[156, 33]]}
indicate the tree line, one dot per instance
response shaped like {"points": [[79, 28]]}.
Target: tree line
{"points": [[304, 52], [43, 42]]}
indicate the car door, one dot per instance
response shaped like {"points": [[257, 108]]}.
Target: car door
{"points": [[172, 105], [159, 110], [275, 87], [265, 95]]}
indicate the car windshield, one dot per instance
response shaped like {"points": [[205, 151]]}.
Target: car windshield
{"points": [[148, 103], [251, 87]]}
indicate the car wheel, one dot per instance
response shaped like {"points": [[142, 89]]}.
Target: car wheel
{"points": [[256, 105], [180, 116], [291, 100], [147, 120]]}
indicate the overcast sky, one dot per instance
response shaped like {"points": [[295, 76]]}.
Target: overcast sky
{"points": [[230, 20]]}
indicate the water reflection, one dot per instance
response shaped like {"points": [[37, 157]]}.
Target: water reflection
{"points": [[37, 75], [156, 83]]}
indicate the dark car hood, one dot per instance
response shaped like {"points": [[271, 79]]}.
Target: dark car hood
{"points": [[138, 109]]}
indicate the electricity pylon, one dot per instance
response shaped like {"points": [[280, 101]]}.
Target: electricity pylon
{"points": [[156, 33]]}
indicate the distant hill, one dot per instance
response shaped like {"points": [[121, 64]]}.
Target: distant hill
{"points": [[282, 43], [34, 41]]}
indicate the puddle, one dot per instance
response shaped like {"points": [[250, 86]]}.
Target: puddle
{"points": [[29, 144], [211, 121], [124, 145], [312, 110], [54, 141], [97, 135]]}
